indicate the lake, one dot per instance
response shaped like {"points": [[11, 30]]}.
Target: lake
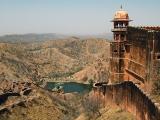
{"points": [[68, 87]]}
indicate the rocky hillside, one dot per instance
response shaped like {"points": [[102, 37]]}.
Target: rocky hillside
{"points": [[56, 60], [54, 106], [41, 107], [70, 59]]}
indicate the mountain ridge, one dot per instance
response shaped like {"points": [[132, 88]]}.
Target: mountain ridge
{"points": [[35, 37]]}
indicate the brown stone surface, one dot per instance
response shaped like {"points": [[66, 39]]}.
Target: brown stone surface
{"points": [[131, 98], [134, 53]]}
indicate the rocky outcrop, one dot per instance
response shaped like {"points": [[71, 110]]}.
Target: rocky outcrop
{"points": [[13, 88]]}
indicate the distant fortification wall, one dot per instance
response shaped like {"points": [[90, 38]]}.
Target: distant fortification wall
{"points": [[129, 97]]}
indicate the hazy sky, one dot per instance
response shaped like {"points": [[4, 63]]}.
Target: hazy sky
{"points": [[72, 16]]}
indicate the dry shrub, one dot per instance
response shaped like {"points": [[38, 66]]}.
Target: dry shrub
{"points": [[91, 106]]}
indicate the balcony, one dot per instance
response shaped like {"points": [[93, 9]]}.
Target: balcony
{"points": [[121, 29]]}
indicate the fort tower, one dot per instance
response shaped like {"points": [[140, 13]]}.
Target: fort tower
{"points": [[134, 51], [120, 23]]}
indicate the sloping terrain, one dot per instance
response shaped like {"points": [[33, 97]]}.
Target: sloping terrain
{"points": [[54, 60], [41, 108], [70, 59]]}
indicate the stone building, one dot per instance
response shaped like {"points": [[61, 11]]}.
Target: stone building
{"points": [[135, 51]]}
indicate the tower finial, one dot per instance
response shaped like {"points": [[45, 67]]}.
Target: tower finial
{"points": [[121, 7]]}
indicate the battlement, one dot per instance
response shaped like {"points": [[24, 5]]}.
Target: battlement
{"points": [[155, 28]]}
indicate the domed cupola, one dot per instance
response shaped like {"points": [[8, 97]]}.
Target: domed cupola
{"points": [[121, 19], [121, 15]]}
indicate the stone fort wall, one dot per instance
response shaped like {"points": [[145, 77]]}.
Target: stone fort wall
{"points": [[144, 52], [135, 58], [131, 98]]}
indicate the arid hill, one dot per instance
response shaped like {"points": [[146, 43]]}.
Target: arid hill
{"points": [[70, 59], [54, 60]]}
